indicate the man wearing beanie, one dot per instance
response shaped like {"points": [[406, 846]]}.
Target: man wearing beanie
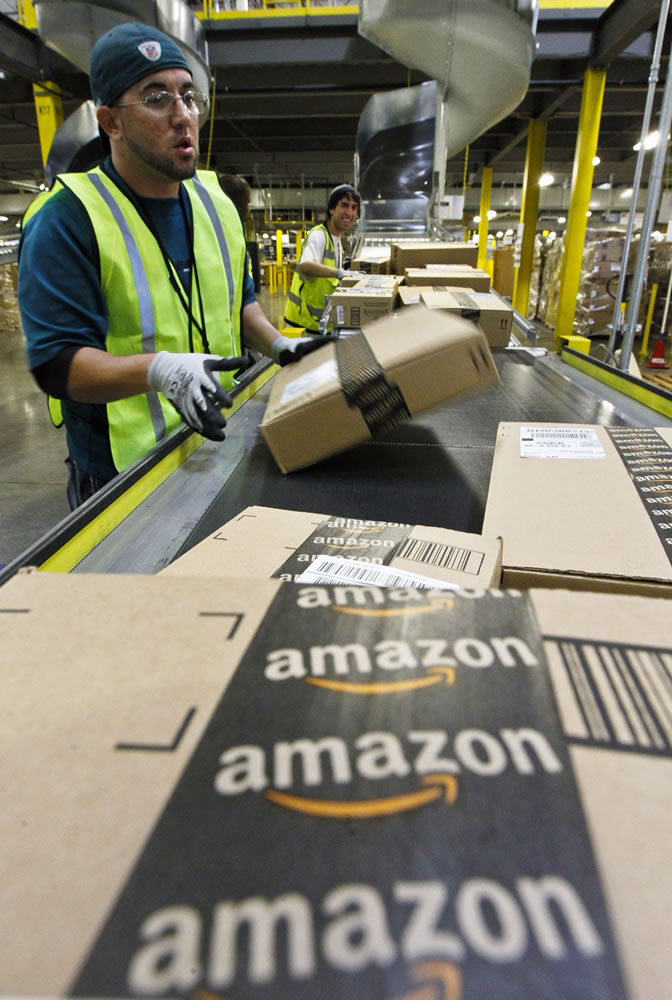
{"points": [[135, 300], [321, 265]]}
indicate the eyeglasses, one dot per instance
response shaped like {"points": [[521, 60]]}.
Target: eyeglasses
{"points": [[163, 102]]}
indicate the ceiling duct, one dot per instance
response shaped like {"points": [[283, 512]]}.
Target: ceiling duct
{"points": [[72, 29], [480, 54]]}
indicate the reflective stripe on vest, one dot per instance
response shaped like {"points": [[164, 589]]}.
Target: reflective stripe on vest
{"points": [[144, 311], [305, 300]]}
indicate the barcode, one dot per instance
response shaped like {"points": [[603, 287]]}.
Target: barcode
{"points": [[379, 576], [562, 432], [437, 554], [614, 696]]}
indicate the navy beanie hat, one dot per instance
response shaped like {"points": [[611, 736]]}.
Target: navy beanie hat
{"points": [[340, 192], [125, 54]]}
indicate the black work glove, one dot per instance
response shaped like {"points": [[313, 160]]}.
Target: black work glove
{"points": [[285, 350]]}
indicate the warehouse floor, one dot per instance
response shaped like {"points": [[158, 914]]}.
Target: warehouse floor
{"points": [[32, 451]]}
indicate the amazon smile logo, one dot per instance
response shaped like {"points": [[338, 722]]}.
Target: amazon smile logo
{"points": [[356, 668], [298, 774]]}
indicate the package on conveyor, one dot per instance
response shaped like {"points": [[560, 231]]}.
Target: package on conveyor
{"points": [[332, 791], [358, 387], [547, 307], [372, 260], [299, 546], [418, 254], [361, 304], [461, 276], [597, 505], [488, 311]]}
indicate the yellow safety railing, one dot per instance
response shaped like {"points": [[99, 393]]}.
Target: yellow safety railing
{"points": [[276, 8]]}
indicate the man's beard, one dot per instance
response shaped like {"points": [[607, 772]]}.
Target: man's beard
{"points": [[162, 164]]}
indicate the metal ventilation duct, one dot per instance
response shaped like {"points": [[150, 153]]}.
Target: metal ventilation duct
{"points": [[480, 53], [395, 154], [73, 28]]}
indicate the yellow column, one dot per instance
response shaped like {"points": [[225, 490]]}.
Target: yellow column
{"points": [[278, 245], [27, 15], [529, 212], [486, 188], [582, 180], [49, 110]]}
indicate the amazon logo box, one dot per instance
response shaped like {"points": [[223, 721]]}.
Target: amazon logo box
{"points": [[259, 540], [597, 505], [257, 789], [358, 387]]}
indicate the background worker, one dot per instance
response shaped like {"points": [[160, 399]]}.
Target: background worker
{"points": [[321, 265], [133, 288]]}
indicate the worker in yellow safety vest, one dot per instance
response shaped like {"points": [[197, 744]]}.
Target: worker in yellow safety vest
{"points": [[134, 295], [321, 265]]}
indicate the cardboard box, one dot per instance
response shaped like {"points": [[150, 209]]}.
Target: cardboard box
{"points": [[593, 515], [265, 541], [410, 296], [349, 281], [380, 281], [494, 316], [361, 305], [503, 271], [416, 254], [373, 260], [462, 277], [412, 360], [151, 806]]}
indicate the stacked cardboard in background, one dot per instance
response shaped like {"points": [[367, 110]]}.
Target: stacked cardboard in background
{"points": [[460, 276]]}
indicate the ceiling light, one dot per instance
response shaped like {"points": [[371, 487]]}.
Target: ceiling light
{"points": [[477, 218], [561, 219], [552, 234], [492, 214], [626, 193], [500, 234], [546, 180], [588, 214], [509, 232], [650, 141], [3, 218], [605, 186], [596, 160]]}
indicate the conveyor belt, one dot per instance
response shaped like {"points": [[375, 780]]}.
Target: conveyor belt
{"points": [[434, 470]]}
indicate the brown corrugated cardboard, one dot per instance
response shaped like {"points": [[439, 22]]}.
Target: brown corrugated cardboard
{"points": [[494, 316], [463, 277], [259, 540], [380, 281], [424, 358], [503, 270], [416, 254], [599, 522], [134, 850], [409, 296], [362, 304]]}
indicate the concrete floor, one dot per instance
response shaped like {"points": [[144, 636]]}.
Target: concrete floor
{"points": [[32, 451]]}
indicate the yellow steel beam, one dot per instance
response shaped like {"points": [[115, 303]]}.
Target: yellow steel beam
{"points": [[278, 245], [486, 189], [49, 111], [26, 12], [529, 212], [582, 180]]}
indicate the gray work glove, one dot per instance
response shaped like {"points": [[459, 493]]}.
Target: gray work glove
{"points": [[187, 381], [285, 350]]}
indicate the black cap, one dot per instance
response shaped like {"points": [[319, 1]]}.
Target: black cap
{"points": [[340, 192]]}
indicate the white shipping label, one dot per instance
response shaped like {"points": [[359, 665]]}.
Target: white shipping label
{"points": [[310, 381], [334, 570], [560, 442]]}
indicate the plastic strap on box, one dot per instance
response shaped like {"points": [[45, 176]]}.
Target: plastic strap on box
{"points": [[365, 385], [469, 308]]}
